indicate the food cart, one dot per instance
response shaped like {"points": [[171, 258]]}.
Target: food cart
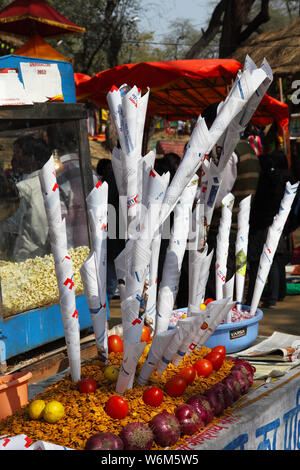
{"points": [[31, 317]]}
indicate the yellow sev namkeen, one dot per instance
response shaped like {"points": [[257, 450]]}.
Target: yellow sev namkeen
{"points": [[85, 412]]}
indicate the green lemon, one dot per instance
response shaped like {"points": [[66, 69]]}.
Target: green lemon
{"points": [[36, 408], [53, 411]]}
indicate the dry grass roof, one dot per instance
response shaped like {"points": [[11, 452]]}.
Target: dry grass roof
{"points": [[280, 47]]}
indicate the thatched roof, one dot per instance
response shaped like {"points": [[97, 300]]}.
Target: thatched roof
{"points": [[280, 47]]}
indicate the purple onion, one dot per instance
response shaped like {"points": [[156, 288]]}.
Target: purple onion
{"points": [[216, 400], [202, 406], [104, 441], [137, 436], [188, 418], [166, 428], [227, 394], [244, 384], [234, 386]]}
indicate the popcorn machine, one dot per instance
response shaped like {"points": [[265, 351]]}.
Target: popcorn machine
{"points": [[29, 309]]}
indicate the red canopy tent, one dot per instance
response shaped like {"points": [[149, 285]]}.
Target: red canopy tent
{"points": [[25, 17], [179, 89]]}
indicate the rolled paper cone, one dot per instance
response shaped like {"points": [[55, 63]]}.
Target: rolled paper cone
{"points": [[211, 310], [63, 267], [174, 256], [228, 288], [98, 312], [222, 244], [195, 337], [214, 321], [131, 355], [114, 100], [189, 325], [203, 278], [182, 328], [270, 247], [159, 344], [241, 248], [153, 273], [164, 312]]}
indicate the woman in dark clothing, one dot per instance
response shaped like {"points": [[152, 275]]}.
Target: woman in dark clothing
{"points": [[266, 203]]}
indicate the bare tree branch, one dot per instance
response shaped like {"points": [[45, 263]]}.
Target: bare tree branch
{"points": [[208, 35]]}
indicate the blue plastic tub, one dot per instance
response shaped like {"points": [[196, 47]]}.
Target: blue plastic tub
{"points": [[235, 336]]}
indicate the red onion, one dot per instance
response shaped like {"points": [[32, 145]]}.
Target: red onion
{"points": [[242, 380], [137, 436], [246, 364], [104, 441], [166, 428], [234, 386], [245, 372], [216, 401], [220, 388], [202, 406], [188, 418]]}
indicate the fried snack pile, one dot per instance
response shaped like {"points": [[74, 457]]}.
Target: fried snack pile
{"points": [[85, 413]]}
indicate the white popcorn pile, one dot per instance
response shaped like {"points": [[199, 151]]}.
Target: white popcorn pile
{"points": [[32, 283]]}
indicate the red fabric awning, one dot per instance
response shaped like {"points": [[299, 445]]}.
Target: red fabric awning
{"points": [[179, 89], [26, 17]]}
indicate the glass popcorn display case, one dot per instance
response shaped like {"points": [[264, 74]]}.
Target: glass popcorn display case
{"points": [[29, 302]]}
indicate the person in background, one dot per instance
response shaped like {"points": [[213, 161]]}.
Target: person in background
{"points": [[266, 204], [180, 128], [253, 137], [63, 140], [27, 230]]}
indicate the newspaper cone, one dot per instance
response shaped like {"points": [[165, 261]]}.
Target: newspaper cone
{"points": [[212, 322], [190, 325], [63, 266], [159, 344], [241, 249], [93, 271], [222, 244], [174, 257], [270, 246]]}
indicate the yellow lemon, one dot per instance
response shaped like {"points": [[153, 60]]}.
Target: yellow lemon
{"points": [[36, 408], [111, 373], [202, 307], [53, 411]]}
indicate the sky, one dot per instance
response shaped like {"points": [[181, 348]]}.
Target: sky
{"points": [[158, 14]]}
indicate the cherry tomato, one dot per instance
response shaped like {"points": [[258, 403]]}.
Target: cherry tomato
{"points": [[175, 386], [87, 385], [203, 367], [115, 344], [146, 336], [117, 407], [220, 349], [153, 396], [207, 301], [216, 359], [188, 373]]}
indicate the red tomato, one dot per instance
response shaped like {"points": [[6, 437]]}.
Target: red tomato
{"points": [[153, 396], [188, 373], [207, 301], [115, 343], [203, 367], [117, 407], [87, 385], [146, 336], [220, 349], [216, 359], [175, 386]]}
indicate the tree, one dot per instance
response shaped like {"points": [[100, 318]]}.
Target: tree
{"points": [[231, 17], [107, 23]]}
